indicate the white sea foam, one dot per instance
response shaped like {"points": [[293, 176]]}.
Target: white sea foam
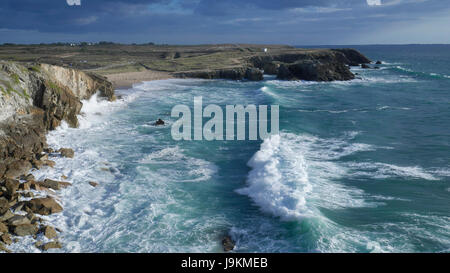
{"points": [[164, 161], [380, 108], [293, 175], [377, 170]]}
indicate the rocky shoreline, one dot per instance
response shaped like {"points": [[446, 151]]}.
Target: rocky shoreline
{"points": [[34, 99]]}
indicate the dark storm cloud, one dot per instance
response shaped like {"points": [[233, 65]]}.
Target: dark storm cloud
{"points": [[195, 21]]}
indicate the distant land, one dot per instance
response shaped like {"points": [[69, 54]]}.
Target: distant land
{"points": [[124, 64]]}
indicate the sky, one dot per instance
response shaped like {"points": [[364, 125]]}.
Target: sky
{"points": [[294, 22]]}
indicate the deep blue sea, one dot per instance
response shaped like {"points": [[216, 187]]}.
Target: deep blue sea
{"points": [[358, 166]]}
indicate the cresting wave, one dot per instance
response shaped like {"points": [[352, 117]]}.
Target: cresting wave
{"points": [[293, 175], [418, 73]]}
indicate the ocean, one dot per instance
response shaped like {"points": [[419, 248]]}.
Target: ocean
{"points": [[358, 166]]}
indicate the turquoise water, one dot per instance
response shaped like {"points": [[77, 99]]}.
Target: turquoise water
{"points": [[359, 166]]}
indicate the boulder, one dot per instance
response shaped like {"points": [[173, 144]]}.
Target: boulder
{"points": [[49, 232], [3, 228], [6, 216], [93, 184], [29, 177], [37, 163], [379, 62], [49, 163], [18, 168], [3, 248], [25, 230], [67, 152], [228, 244], [51, 245], [18, 220], [4, 205], [26, 186], [35, 186], [6, 238], [53, 184], [28, 194], [12, 186], [365, 66], [159, 122], [44, 206]]}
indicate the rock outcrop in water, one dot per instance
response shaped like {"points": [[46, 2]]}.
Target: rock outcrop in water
{"points": [[34, 99], [316, 65], [319, 65]]}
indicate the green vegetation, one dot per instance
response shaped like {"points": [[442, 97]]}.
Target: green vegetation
{"points": [[107, 57], [54, 86], [10, 90], [35, 68], [15, 78]]}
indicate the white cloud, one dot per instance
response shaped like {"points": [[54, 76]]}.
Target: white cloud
{"points": [[73, 2], [86, 20], [374, 2]]}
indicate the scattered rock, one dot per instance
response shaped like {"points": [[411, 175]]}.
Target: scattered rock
{"points": [[3, 228], [51, 245], [29, 177], [37, 163], [43, 157], [49, 232], [18, 220], [66, 152], [12, 186], [44, 206], [35, 186], [4, 205], [49, 163], [28, 194], [48, 150], [159, 122], [25, 230], [39, 244], [26, 186], [18, 168], [228, 244], [93, 184], [6, 216], [6, 238], [3, 248], [53, 184]]}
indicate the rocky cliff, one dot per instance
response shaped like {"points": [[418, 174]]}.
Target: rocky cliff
{"points": [[35, 98]]}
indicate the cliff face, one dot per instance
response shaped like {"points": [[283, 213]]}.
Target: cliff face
{"points": [[33, 100]]}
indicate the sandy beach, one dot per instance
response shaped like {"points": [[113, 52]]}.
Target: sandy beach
{"points": [[127, 79]]}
